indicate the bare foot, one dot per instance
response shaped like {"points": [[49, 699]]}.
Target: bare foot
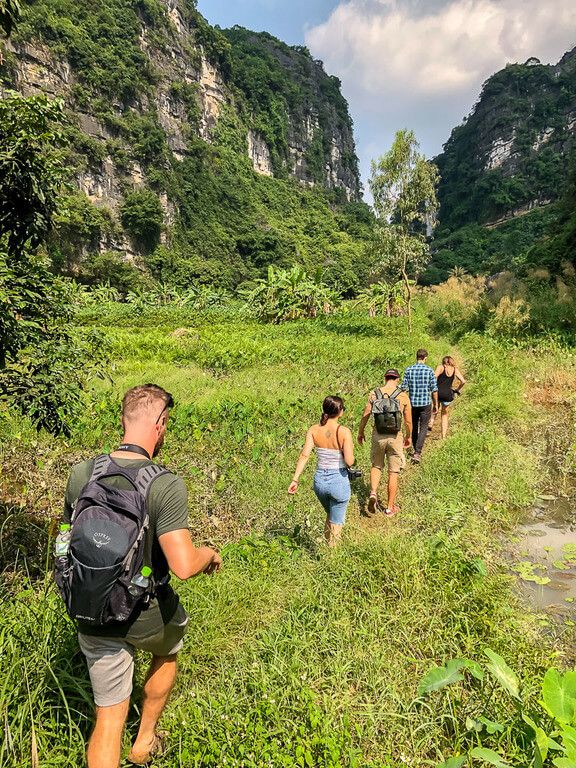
{"points": [[142, 753]]}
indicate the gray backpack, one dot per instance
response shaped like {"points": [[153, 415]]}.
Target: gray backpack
{"points": [[387, 412], [109, 546]]}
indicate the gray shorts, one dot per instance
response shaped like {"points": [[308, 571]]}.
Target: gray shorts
{"points": [[111, 659]]}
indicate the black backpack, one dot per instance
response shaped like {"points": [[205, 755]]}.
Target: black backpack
{"points": [[387, 412], [109, 546]]}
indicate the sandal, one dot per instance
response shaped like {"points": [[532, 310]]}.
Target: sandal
{"points": [[391, 512], [372, 505], [157, 748]]}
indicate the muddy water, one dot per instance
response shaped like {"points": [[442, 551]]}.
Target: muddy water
{"points": [[545, 554]]}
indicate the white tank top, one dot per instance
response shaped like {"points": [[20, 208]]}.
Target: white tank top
{"points": [[330, 458]]}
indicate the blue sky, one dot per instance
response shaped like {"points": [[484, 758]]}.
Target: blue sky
{"points": [[288, 21], [416, 64]]}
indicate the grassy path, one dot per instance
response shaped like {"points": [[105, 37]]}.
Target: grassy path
{"points": [[297, 656]]}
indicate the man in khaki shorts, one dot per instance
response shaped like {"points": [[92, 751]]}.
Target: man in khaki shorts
{"points": [[387, 447], [160, 629]]}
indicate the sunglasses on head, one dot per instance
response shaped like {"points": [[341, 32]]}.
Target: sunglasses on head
{"points": [[169, 404]]}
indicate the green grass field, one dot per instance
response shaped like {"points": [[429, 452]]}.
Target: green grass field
{"points": [[296, 656]]}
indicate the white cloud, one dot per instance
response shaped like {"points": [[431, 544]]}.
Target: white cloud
{"points": [[420, 64], [387, 46]]}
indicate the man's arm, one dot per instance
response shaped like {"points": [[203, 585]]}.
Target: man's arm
{"points": [[407, 422], [184, 559], [171, 507], [364, 420]]}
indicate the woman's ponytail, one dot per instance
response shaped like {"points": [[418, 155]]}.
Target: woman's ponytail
{"points": [[331, 407]]}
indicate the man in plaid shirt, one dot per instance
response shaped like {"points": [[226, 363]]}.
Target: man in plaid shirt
{"points": [[420, 383]]}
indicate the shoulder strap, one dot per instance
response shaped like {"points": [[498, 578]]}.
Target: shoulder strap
{"points": [[397, 391], [147, 475], [378, 393], [100, 468]]}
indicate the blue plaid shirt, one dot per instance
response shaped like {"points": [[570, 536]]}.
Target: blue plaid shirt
{"points": [[419, 381]]}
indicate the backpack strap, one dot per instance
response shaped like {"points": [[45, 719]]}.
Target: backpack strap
{"points": [[397, 391], [146, 476], [378, 393], [101, 465], [144, 479]]}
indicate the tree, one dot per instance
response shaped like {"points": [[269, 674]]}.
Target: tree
{"points": [[41, 361], [381, 295], [142, 215], [403, 184]]}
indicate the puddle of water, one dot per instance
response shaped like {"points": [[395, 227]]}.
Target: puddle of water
{"points": [[546, 543]]}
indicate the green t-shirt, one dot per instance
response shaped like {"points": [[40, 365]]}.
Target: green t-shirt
{"points": [[167, 511]]}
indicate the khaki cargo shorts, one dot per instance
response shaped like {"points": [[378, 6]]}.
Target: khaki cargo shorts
{"points": [[389, 447], [111, 659]]}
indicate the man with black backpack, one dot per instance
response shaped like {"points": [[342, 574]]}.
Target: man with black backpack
{"points": [[389, 406], [125, 527]]}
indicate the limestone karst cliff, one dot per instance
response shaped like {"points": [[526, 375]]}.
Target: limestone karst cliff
{"points": [[173, 121], [504, 169], [511, 152]]}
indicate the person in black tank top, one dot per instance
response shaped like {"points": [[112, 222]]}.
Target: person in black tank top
{"points": [[446, 374]]}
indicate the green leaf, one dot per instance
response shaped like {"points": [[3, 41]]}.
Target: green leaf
{"points": [[453, 762], [491, 726], [542, 741], [440, 677], [559, 693], [507, 678], [473, 725], [473, 667], [564, 762], [489, 756]]}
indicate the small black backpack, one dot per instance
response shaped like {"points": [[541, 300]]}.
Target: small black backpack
{"points": [[387, 412], [109, 546]]}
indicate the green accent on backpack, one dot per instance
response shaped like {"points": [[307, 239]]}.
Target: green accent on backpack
{"points": [[387, 412]]}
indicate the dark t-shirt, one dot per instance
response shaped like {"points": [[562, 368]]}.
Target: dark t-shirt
{"points": [[167, 511]]}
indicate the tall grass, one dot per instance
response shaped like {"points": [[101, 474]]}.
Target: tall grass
{"points": [[295, 656]]}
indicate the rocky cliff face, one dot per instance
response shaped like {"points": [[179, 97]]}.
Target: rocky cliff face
{"points": [[511, 153], [301, 121], [150, 86]]}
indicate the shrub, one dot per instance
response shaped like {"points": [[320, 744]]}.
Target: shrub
{"points": [[109, 267], [142, 216], [290, 295], [509, 318]]}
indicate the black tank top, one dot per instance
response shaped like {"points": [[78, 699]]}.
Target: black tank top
{"points": [[445, 391]]}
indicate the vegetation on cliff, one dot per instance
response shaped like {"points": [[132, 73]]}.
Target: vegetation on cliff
{"points": [[506, 163]]}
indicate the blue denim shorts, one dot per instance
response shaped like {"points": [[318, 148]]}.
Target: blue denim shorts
{"points": [[332, 487]]}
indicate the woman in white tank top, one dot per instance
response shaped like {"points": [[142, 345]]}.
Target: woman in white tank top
{"points": [[335, 453]]}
